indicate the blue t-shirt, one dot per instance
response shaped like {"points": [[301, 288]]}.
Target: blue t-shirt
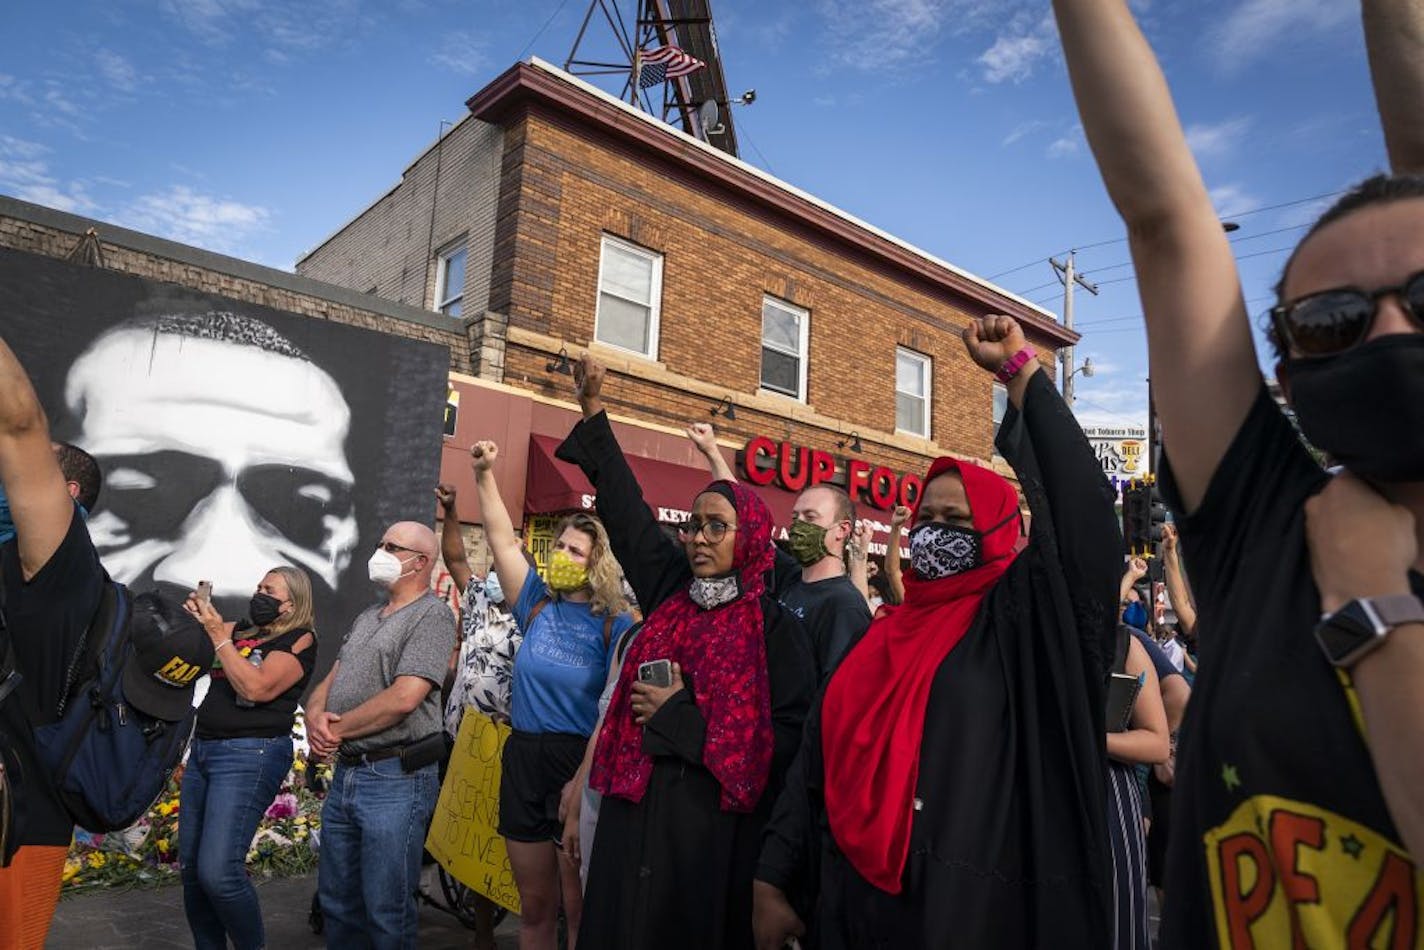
{"points": [[560, 668]]}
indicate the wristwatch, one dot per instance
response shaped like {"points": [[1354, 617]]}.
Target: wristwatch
{"points": [[1362, 625]]}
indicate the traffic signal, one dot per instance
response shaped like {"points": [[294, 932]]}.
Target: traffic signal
{"points": [[1136, 518]]}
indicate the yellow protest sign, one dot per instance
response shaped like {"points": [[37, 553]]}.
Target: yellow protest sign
{"points": [[463, 835]]}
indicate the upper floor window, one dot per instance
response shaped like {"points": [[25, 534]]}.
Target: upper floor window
{"points": [[912, 392], [784, 331], [1001, 406], [450, 282], [629, 291]]}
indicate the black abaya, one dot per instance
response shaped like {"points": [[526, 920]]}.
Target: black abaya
{"points": [[675, 870], [1008, 844]]}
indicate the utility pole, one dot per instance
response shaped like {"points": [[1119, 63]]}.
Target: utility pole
{"points": [[1069, 276]]}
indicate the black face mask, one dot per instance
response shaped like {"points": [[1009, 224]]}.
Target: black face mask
{"points": [[1365, 407], [264, 609]]}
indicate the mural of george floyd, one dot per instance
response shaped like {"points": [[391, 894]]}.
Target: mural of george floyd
{"points": [[232, 437]]}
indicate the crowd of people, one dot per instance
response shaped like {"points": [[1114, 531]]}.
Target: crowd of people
{"points": [[719, 741]]}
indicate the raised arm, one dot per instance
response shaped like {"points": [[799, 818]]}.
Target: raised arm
{"points": [[858, 559], [654, 565], [509, 561], [1204, 371], [894, 575], [1394, 37], [705, 438], [1177, 590], [452, 541], [1136, 571], [40, 503]]}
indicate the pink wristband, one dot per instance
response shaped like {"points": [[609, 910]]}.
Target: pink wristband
{"points": [[1011, 367]]}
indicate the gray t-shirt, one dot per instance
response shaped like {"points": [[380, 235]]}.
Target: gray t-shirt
{"points": [[414, 641]]}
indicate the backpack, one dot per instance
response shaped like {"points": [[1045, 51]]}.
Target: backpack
{"points": [[107, 761]]}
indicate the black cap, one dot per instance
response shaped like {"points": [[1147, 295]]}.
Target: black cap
{"points": [[171, 652]]}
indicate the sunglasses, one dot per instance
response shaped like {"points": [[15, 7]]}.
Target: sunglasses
{"points": [[711, 529], [1333, 321], [390, 547]]}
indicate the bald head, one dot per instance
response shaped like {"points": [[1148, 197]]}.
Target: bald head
{"points": [[417, 558]]}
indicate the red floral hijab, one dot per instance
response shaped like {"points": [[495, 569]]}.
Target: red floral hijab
{"points": [[873, 714], [722, 653]]}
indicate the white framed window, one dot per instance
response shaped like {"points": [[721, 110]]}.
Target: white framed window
{"points": [[1001, 406], [785, 329], [450, 281], [630, 289], [912, 392]]}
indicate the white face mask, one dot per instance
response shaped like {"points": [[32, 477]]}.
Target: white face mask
{"points": [[385, 568]]}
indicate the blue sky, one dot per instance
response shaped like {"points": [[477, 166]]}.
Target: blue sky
{"points": [[256, 127]]}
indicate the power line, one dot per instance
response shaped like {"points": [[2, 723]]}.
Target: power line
{"points": [[530, 45], [1243, 214], [1236, 240], [1139, 317]]}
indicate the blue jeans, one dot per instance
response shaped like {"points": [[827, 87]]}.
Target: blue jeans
{"points": [[227, 786], [373, 829]]}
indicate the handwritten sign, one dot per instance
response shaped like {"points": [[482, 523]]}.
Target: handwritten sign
{"points": [[463, 835]]}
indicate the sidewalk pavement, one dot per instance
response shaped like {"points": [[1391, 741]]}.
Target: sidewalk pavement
{"points": [[107, 919]]}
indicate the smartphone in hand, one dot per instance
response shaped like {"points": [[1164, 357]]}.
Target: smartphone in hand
{"points": [[205, 591], [656, 673]]}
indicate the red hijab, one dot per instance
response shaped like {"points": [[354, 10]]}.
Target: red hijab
{"points": [[873, 714], [723, 652]]}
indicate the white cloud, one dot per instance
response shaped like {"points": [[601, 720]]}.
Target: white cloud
{"points": [[184, 214], [15, 90], [118, 71], [1212, 140], [875, 35], [1024, 129], [25, 174], [1068, 144], [281, 26], [1014, 55], [1229, 200], [463, 53], [1257, 26]]}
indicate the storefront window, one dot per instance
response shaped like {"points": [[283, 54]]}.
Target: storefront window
{"points": [[912, 392], [629, 290], [784, 331]]}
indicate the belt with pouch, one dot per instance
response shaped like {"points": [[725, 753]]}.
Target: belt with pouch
{"points": [[413, 756]]}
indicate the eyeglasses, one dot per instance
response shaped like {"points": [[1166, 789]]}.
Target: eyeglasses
{"points": [[711, 529], [1332, 321], [390, 547]]}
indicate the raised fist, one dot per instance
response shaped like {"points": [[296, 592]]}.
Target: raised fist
{"points": [[482, 456], [992, 340]]}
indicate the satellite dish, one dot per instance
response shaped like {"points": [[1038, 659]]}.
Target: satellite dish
{"points": [[708, 118]]}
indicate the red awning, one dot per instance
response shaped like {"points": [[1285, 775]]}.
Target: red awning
{"points": [[669, 489]]}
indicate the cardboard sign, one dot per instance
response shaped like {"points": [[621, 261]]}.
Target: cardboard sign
{"points": [[463, 835]]}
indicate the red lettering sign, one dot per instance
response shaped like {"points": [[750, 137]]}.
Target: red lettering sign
{"points": [[802, 460], [823, 467], [883, 488], [857, 477], [911, 487], [756, 448]]}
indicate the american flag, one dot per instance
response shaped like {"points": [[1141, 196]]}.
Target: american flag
{"points": [[666, 62]]}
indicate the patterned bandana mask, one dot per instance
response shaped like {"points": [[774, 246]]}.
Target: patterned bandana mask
{"points": [[712, 592], [943, 550], [565, 574]]}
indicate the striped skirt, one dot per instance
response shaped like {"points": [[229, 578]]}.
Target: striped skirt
{"points": [[1129, 859]]}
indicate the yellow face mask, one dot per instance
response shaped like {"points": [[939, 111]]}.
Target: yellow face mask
{"points": [[565, 574]]}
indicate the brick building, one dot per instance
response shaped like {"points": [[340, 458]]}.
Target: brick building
{"points": [[555, 218]]}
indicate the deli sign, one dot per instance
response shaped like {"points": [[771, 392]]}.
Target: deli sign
{"points": [[797, 467]]}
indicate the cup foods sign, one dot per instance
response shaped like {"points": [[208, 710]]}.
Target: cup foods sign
{"points": [[1121, 451]]}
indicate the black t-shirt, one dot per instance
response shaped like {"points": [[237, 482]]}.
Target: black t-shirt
{"points": [[1280, 833], [834, 613], [47, 618], [220, 716]]}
